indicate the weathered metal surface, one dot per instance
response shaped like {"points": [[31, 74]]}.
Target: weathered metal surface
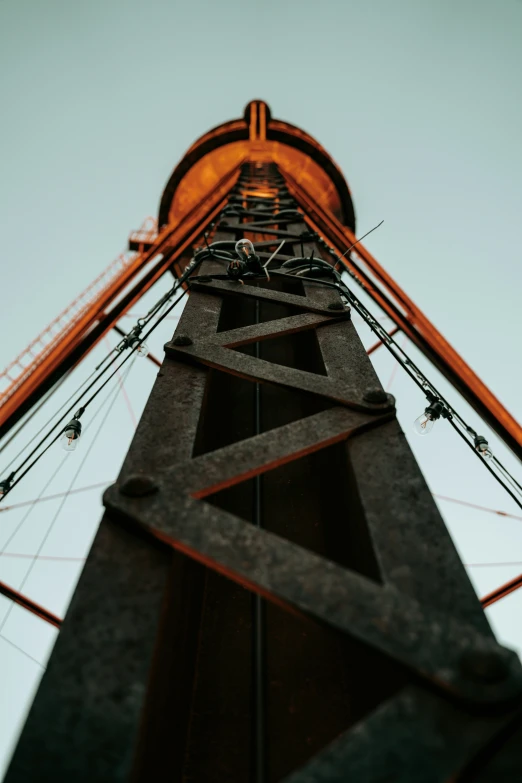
{"points": [[415, 737], [222, 287], [381, 617], [500, 761], [266, 372], [248, 334], [413, 554], [277, 471], [167, 708], [238, 462], [84, 722]]}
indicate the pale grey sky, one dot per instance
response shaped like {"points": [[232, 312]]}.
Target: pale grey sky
{"points": [[419, 104]]}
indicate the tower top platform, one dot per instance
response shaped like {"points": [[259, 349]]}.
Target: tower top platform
{"points": [[255, 137]]}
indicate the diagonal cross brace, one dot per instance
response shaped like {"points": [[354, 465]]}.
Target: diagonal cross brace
{"points": [[231, 288], [263, 331], [395, 742], [382, 617], [260, 370], [287, 574], [251, 457]]}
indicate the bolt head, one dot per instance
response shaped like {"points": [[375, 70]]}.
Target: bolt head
{"points": [[182, 339], [336, 306], [138, 486], [375, 396], [487, 666]]}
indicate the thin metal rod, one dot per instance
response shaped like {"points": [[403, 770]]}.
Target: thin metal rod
{"points": [[53, 497], [31, 606], [494, 565], [501, 592], [258, 619], [480, 508], [54, 558]]}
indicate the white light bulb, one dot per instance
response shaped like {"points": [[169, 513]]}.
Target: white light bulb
{"points": [[69, 440], [71, 435], [482, 446], [142, 350], [5, 485], [244, 248], [424, 423]]}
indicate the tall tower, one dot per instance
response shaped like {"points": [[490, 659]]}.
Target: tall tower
{"points": [[272, 595]]}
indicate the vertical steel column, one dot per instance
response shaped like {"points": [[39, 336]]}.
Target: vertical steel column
{"points": [[258, 619], [272, 594]]}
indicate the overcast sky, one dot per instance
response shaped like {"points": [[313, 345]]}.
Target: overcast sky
{"points": [[419, 104]]}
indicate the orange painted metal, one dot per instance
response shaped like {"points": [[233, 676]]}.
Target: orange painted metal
{"points": [[253, 121], [260, 138], [409, 318], [196, 191], [172, 241], [145, 236], [31, 606], [212, 166], [38, 348], [502, 591]]}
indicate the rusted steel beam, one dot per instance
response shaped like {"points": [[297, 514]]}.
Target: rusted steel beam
{"points": [[284, 326], [259, 370], [502, 591], [30, 605], [239, 462], [229, 288]]}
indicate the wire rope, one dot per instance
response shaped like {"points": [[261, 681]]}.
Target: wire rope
{"points": [[114, 393], [409, 366], [124, 343]]}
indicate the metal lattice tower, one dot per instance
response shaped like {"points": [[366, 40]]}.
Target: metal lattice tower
{"points": [[272, 594]]}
